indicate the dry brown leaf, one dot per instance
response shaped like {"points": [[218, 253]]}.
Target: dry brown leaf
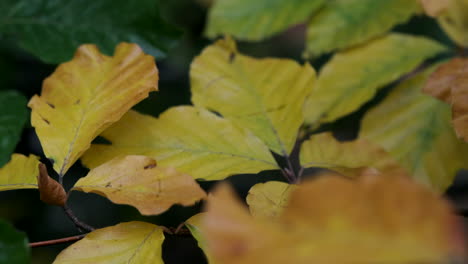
{"points": [[375, 219], [51, 192], [450, 84]]}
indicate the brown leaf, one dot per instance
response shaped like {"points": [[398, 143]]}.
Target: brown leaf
{"points": [[51, 192], [450, 84], [434, 8]]}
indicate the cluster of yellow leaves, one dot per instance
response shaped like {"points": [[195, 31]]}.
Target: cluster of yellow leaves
{"points": [[375, 219], [449, 83]]}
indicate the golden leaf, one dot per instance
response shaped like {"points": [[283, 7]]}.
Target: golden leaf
{"points": [[454, 21], [51, 192], [376, 219], [450, 84], [86, 95], [137, 181], [192, 140], [267, 200], [130, 243], [19, 173], [434, 8]]}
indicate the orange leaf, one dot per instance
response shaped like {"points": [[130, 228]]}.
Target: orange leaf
{"points": [[450, 84], [375, 219], [51, 192]]}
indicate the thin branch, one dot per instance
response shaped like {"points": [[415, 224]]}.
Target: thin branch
{"points": [[80, 225], [56, 241]]}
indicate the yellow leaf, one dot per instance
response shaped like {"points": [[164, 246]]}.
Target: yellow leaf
{"points": [[434, 8], [19, 173], [193, 225], [87, 94], [352, 77], [193, 141], [344, 23], [415, 129], [449, 83], [265, 96], [257, 20], [130, 243], [51, 192], [384, 219], [137, 181], [349, 158], [454, 21], [267, 200]]}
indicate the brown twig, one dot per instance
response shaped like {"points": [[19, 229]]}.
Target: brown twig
{"points": [[80, 225], [56, 241]]}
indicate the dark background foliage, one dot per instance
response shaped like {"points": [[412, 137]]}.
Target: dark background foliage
{"points": [[22, 71]]}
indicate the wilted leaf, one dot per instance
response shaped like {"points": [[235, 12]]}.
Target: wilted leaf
{"points": [[454, 21], [450, 84], [51, 191], [352, 77], [137, 181], [130, 243], [193, 141], [13, 116], [52, 30], [20, 173], [335, 220], [257, 20], [267, 200], [85, 96], [350, 158], [344, 23], [415, 129], [265, 96], [434, 8], [14, 246]]}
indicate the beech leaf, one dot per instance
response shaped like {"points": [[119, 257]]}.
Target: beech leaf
{"points": [[137, 181], [353, 218], [449, 83], [51, 192], [350, 158], [267, 200], [131, 243], [344, 23], [257, 20], [192, 140], [265, 96], [86, 95], [454, 21], [19, 173], [352, 77], [415, 129], [434, 8]]}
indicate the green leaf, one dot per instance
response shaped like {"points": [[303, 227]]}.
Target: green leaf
{"points": [[131, 243], [191, 140], [13, 116], [52, 30], [265, 96], [14, 246], [352, 77], [344, 23], [259, 19], [416, 129]]}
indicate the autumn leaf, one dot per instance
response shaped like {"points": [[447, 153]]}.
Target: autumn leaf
{"points": [[415, 129], [131, 242], [193, 225], [51, 192], [19, 173], [449, 83], [335, 220], [345, 23], [257, 20], [454, 21], [138, 181], [192, 140], [352, 77], [86, 95], [434, 8], [349, 158], [265, 96], [267, 200]]}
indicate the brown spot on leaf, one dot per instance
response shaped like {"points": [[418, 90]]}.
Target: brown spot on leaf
{"points": [[51, 105], [108, 185], [45, 120], [232, 57], [150, 166], [77, 102]]}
